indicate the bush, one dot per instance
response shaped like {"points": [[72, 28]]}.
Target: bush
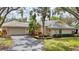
{"points": [[76, 35], [63, 35]]}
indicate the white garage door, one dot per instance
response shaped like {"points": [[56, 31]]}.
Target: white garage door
{"points": [[16, 31]]}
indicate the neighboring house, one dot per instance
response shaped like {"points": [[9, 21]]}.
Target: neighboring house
{"points": [[15, 28], [56, 27]]}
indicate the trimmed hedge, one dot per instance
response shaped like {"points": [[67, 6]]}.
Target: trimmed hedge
{"points": [[63, 35]]}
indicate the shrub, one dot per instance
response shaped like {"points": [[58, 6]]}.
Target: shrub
{"points": [[63, 35]]}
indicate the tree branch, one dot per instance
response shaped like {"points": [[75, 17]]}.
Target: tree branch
{"points": [[9, 9], [71, 12], [77, 8], [2, 11]]}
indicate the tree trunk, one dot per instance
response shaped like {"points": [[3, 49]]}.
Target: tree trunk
{"points": [[2, 21], [43, 23]]}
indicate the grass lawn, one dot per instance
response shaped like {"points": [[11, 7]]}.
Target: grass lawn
{"points": [[61, 44], [5, 43]]}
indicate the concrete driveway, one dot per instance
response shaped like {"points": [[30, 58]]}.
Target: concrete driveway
{"points": [[26, 43]]}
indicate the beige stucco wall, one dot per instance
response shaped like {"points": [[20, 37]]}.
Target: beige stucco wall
{"points": [[51, 32], [55, 31], [66, 31], [15, 30]]}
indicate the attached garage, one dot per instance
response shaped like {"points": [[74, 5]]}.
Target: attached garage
{"points": [[16, 28]]}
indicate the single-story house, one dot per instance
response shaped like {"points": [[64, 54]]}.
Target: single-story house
{"points": [[51, 27], [56, 27], [15, 27]]}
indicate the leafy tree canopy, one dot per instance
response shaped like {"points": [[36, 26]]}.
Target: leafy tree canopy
{"points": [[55, 18]]}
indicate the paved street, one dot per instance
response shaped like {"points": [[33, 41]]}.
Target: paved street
{"points": [[26, 43]]}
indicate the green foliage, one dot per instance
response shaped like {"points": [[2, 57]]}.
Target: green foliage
{"points": [[33, 25], [61, 44], [76, 26], [55, 18]]}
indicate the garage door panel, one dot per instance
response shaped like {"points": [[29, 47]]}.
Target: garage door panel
{"points": [[15, 31]]}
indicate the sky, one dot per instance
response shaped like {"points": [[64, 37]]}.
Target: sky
{"points": [[26, 13], [15, 14]]}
